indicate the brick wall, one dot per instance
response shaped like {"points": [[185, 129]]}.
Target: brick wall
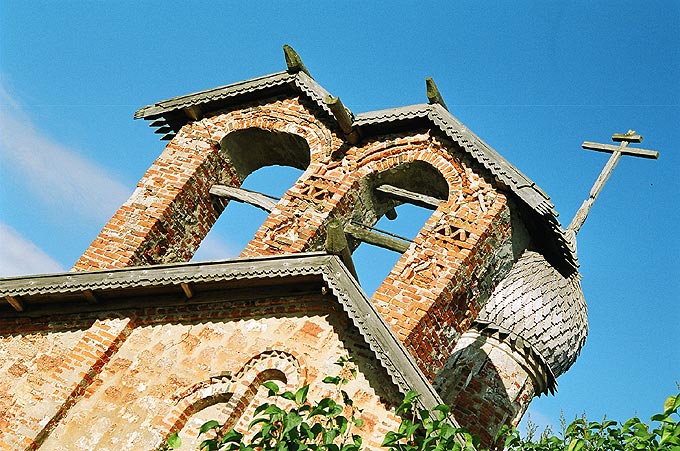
{"points": [[438, 285], [132, 378], [171, 211]]}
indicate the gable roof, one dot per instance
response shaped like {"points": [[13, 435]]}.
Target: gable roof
{"points": [[170, 115], [44, 295]]}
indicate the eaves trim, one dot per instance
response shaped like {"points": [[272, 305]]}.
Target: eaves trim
{"points": [[388, 349]]}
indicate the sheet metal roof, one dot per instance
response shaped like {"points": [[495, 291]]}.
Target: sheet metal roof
{"points": [[388, 349]]}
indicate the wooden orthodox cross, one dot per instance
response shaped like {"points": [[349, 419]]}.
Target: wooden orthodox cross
{"points": [[616, 151]]}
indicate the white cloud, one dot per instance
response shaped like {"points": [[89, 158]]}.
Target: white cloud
{"points": [[19, 256], [214, 248], [57, 175]]}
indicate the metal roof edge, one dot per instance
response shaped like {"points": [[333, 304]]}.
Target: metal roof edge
{"points": [[174, 103], [154, 274], [396, 360]]}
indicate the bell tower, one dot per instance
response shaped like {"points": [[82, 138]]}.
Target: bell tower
{"points": [[492, 236]]}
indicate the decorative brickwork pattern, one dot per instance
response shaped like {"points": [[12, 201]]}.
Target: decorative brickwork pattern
{"points": [[130, 386], [434, 291], [171, 211], [438, 286]]}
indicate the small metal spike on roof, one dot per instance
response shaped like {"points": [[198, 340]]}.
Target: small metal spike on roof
{"points": [[293, 60]]}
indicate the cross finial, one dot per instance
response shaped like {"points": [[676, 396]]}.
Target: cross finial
{"points": [[616, 151]]}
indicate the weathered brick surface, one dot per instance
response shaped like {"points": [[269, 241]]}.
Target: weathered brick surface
{"points": [[134, 385], [60, 383], [171, 210], [429, 298], [438, 286], [488, 384]]}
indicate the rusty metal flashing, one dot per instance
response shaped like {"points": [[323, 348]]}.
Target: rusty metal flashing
{"points": [[396, 360]]}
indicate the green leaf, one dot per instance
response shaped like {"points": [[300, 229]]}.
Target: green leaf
{"points": [[335, 380], [391, 438], [174, 441], [232, 436], [272, 386], [291, 421], [301, 395], [288, 395], [208, 445], [411, 396], [212, 424], [346, 398], [358, 422], [329, 436], [576, 445]]}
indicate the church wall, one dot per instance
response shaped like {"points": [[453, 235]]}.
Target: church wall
{"points": [[433, 293], [439, 284], [170, 212], [170, 363]]}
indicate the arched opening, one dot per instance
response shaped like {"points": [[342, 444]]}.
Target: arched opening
{"points": [[253, 148], [236, 412], [394, 206], [267, 163]]}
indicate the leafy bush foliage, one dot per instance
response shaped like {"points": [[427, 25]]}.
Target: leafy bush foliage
{"points": [[333, 424], [663, 433]]}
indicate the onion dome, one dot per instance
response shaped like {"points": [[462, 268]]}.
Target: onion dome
{"points": [[543, 307]]}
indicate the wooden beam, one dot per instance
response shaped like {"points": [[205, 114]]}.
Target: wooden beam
{"points": [[609, 148], [16, 302], [433, 94], [336, 244], [630, 137], [344, 119], [193, 112], [89, 295], [293, 60], [616, 153], [410, 197], [391, 214], [188, 291], [377, 239], [259, 200], [163, 129], [341, 114]]}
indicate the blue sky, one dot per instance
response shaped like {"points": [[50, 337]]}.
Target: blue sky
{"points": [[533, 79]]}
